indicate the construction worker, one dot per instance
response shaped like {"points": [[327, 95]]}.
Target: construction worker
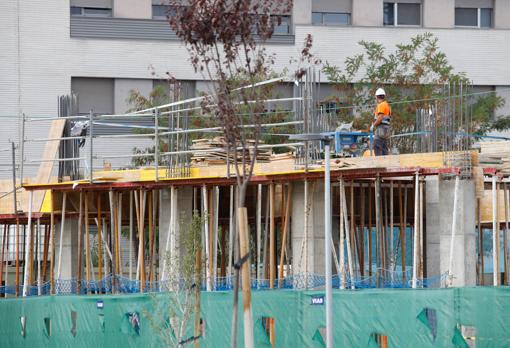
{"points": [[381, 125]]}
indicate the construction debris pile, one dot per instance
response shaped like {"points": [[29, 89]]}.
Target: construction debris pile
{"points": [[213, 151]]}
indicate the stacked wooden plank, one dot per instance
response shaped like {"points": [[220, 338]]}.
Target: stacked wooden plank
{"points": [[495, 154], [212, 151]]}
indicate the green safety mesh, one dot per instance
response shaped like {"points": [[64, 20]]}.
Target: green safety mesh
{"points": [[409, 318]]}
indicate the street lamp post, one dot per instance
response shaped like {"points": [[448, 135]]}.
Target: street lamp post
{"points": [[325, 139]]}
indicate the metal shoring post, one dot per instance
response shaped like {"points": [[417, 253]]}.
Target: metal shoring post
{"points": [[15, 203], [22, 147], [156, 145], [91, 148], [327, 246], [495, 234]]}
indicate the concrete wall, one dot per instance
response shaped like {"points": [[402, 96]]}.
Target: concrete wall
{"points": [[439, 217], [501, 14], [315, 240], [184, 214], [122, 87], [132, 8], [344, 6], [367, 13], [439, 13], [69, 265]]}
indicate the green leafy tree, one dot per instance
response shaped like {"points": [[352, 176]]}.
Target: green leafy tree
{"points": [[413, 75]]}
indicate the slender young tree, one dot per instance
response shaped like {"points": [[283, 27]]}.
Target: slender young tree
{"points": [[225, 40]]}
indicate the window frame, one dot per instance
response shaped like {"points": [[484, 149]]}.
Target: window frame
{"points": [[478, 18], [322, 23], [83, 14], [395, 15], [158, 18]]}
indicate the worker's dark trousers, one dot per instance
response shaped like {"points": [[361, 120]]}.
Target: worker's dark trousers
{"points": [[380, 146]]}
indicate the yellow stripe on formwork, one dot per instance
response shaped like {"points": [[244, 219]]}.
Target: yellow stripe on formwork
{"points": [[46, 204]]}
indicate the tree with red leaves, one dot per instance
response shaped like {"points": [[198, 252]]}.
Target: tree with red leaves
{"points": [[225, 40]]}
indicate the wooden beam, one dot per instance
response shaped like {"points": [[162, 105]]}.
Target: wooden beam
{"points": [[416, 230], [259, 231], [421, 250], [402, 231], [370, 200], [216, 205], [45, 251], [6, 260], [28, 243], [231, 229], [141, 244], [480, 242], [17, 254], [151, 234], [3, 253], [62, 224], [505, 236], [362, 229], [131, 224], [341, 238], [118, 215], [80, 245], [87, 242], [272, 260], [392, 254], [284, 236], [99, 239], [52, 233], [205, 211], [350, 263], [378, 226]]}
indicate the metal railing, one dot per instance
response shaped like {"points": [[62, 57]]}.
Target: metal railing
{"points": [[176, 155]]}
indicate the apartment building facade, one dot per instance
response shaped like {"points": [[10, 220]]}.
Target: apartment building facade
{"points": [[102, 49]]}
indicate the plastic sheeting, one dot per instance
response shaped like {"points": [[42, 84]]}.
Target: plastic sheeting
{"points": [[409, 318]]}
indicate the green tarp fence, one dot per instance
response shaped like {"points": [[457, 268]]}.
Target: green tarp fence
{"points": [[409, 318]]}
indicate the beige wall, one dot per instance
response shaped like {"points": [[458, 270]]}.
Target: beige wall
{"points": [[367, 13], [132, 8], [439, 13], [502, 14], [302, 12], [344, 6]]}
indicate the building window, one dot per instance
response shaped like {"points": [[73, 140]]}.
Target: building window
{"points": [[473, 17], [284, 27], [91, 11], [331, 18], [160, 12], [402, 14]]}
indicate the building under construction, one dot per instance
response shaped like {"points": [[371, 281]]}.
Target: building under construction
{"points": [[436, 219]]}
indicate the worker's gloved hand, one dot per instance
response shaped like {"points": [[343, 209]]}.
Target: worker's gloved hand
{"points": [[371, 128]]}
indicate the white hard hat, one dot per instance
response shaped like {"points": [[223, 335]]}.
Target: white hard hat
{"points": [[380, 91]]}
